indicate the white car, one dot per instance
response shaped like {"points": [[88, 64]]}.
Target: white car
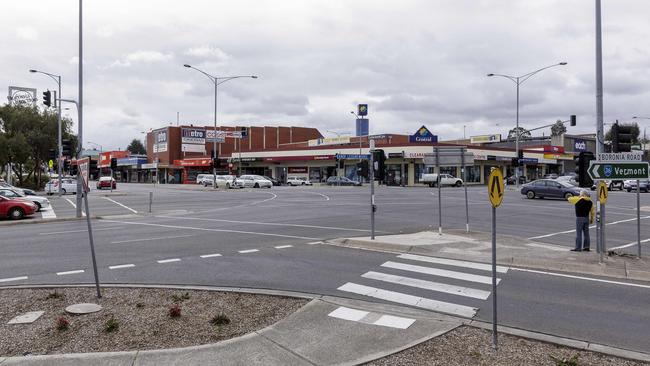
{"points": [[445, 180], [223, 181], [298, 181], [69, 185], [252, 181], [40, 202]]}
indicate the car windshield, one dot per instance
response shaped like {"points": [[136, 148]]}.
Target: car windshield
{"points": [[565, 184], [10, 193]]}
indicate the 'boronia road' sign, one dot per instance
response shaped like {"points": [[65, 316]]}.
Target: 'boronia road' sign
{"points": [[618, 170], [495, 187]]}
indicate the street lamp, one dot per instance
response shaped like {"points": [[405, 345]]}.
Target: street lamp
{"points": [[217, 80], [518, 80], [57, 79]]}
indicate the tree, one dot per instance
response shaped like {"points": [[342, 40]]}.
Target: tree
{"points": [[636, 131], [136, 147], [558, 129], [523, 133]]}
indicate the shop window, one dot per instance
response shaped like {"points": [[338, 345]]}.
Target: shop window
{"points": [[473, 173]]}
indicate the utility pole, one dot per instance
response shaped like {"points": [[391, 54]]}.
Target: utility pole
{"points": [[600, 137]]}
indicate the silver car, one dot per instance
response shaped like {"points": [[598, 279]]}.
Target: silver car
{"points": [[40, 202], [252, 181]]}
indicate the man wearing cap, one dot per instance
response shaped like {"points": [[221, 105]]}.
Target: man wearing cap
{"points": [[585, 213]]}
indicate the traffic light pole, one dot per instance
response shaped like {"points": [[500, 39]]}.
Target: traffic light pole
{"points": [[58, 165], [371, 173]]}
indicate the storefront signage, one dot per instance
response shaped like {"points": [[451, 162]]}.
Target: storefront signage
{"points": [[532, 161], [22, 96], [297, 170], [131, 161], [579, 145], [160, 148], [193, 148], [220, 136], [553, 149], [160, 141], [558, 156], [353, 156], [329, 141], [481, 139], [423, 135], [193, 136], [395, 155], [362, 110], [193, 162], [479, 156], [245, 160], [149, 166], [299, 158]]}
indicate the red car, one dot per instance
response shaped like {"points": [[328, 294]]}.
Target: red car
{"points": [[105, 182], [16, 209]]}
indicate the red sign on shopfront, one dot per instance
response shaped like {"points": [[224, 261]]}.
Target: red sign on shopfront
{"points": [[193, 162], [300, 158], [553, 149], [297, 169]]}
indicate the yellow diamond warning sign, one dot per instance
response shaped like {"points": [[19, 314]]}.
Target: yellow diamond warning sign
{"points": [[495, 187], [602, 192]]}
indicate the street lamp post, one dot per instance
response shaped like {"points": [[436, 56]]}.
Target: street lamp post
{"points": [[216, 80], [56, 78], [518, 80]]}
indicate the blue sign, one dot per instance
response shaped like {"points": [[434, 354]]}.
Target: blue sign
{"points": [[579, 145], [532, 161], [131, 161], [353, 156], [362, 127], [423, 135], [608, 171]]}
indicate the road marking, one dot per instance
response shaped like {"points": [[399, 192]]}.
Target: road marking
{"points": [[48, 213], [13, 279], [212, 230], [371, 318], [441, 272], [70, 272], [394, 322], [248, 251], [75, 206], [267, 223], [315, 243], [453, 262], [348, 314], [169, 260], [81, 231], [581, 278], [428, 285], [327, 198], [210, 255], [119, 204], [630, 244], [150, 239], [283, 246], [400, 298], [591, 227], [556, 248], [122, 266]]}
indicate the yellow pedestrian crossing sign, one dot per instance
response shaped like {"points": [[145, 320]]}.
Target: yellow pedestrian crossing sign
{"points": [[50, 164], [496, 187], [602, 192]]}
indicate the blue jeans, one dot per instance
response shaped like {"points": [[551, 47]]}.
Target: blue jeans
{"points": [[582, 227]]}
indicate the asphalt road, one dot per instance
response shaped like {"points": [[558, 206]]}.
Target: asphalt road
{"points": [[269, 239]]}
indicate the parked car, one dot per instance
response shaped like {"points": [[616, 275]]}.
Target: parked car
{"points": [[16, 209], [513, 180], [298, 181], [68, 185], [445, 180], [630, 185], [342, 181], [611, 184], [571, 179], [201, 177], [543, 188], [252, 181], [40, 202], [106, 182], [551, 176], [273, 180]]}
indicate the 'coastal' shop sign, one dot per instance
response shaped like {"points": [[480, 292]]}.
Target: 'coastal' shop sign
{"points": [[423, 135]]}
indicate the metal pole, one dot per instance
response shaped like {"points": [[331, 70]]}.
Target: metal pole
{"points": [[371, 173], [598, 221], [517, 140], [111, 180], [80, 109], [495, 342], [402, 172], [603, 243], [58, 164], [638, 217], [239, 165], [92, 245], [464, 173], [439, 192], [600, 147], [150, 200], [214, 146]]}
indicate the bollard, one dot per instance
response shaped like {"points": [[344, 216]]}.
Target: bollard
{"points": [[150, 200]]}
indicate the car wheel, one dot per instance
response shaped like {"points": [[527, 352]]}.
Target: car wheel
{"points": [[568, 195], [16, 213], [38, 205], [629, 190], [530, 195], [459, 184], [256, 185], [227, 185], [63, 191]]}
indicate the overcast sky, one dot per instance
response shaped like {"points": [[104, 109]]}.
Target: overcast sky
{"points": [[413, 62]]}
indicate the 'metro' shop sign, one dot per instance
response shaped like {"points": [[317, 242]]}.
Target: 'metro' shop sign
{"points": [[423, 135]]}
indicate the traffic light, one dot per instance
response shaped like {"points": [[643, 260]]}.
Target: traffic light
{"points": [[51, 154], [379, 159], [621, 138], [514, 162], [341, 164], [93, 166], [362, 168], [215, 163], [113, 163], [67, 148], [244, 132], [47, 98], [582, 167], [573, 120], [66, 165]]}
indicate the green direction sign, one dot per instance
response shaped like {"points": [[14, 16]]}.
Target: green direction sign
{"points": [[618, 170]]}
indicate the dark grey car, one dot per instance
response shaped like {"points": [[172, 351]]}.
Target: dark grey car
{"points": [[549, 188]]}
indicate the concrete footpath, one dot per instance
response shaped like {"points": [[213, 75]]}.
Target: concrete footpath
{"points": [[511, 251], [326, 331]]}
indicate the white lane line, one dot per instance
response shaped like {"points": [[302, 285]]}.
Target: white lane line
{"points": [[428, 285], [581, 278], [150, 239], [591, 227], [169, 260], [248, 251], [556, 248], [348, 314], [75, 206], [267, 223], [13, 279], [453, 262], [315, 243], [70, 272], [48, 213], [122, 266], [212, 230], [630, 244], [81, 231], [394, 322], [210, 255], [283, 246], [441, 272], [327, 198], [119, 204], [400, 298]]}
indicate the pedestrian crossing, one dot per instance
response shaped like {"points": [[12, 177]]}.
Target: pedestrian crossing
{"points": [[449, 286]]}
